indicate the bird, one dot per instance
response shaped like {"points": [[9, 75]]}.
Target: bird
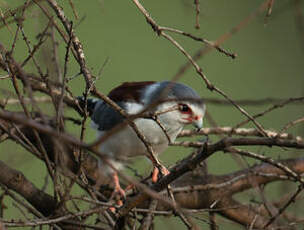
{"points": [[166, 108]]}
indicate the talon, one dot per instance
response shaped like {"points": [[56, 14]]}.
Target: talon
{"points": [[117, 189], [130, 187], [112, 209], [118, 193], [164, 172], [155, 174]]}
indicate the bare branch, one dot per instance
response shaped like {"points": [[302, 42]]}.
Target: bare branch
{"points": [[16, 181]]}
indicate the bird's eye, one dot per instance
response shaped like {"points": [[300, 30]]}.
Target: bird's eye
{"points": [[184, 108]]}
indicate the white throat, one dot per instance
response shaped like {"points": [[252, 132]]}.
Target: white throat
{"points": [[170, 119]]}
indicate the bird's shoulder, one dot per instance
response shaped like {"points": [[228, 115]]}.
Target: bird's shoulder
{"points": [[130, 91], [130, 96]]}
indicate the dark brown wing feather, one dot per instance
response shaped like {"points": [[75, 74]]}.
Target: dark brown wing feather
{"points": [[129, 91], [104, 116]]}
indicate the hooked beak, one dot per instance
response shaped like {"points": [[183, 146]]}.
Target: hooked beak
{"points": [[198, 123]]}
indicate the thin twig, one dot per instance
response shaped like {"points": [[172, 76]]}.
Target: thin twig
{"points": [[147, 220], [271, 108], [198, 69], [197, 11], [291, 123], [288, 203], [201, 52]]}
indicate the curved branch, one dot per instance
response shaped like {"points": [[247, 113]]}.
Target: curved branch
{"points": [[16, 181], [263, 174], [243, 215], [197, 191]]}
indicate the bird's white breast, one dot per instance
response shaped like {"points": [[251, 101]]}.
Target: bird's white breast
{"points": [[125, 143]]}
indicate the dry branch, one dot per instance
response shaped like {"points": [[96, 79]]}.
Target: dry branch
{"points": [[69, 159]]}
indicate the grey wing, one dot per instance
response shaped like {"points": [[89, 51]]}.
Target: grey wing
{"points": [[105, 117]]}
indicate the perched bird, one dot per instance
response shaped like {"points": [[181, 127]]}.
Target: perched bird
{"points": [[168, 106]]}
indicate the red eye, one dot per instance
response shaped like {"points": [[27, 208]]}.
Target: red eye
{"points": [[184, 108]]}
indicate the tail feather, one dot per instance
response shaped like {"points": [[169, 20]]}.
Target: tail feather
{"points": [[91, 103]]}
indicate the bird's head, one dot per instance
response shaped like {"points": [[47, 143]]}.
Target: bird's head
{"points": [[191, 113], [181, 113], [178, 105]]}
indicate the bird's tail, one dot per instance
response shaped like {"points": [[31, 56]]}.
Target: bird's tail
{"points": [[91, 103]]}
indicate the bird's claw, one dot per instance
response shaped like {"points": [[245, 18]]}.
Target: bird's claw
{"points": [[155, 173], [118, 203], [118, 194], [118, 191], [130, 188]]}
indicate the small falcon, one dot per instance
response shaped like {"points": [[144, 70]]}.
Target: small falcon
{"points": [[174, 105]]}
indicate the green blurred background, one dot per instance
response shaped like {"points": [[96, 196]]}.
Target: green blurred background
{"points": [[269, 64]]}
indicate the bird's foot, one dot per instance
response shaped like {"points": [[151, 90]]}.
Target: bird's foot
{"points": [[118, 191], [130, 188], [118, 194], [155, 173], [117, 203]]}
